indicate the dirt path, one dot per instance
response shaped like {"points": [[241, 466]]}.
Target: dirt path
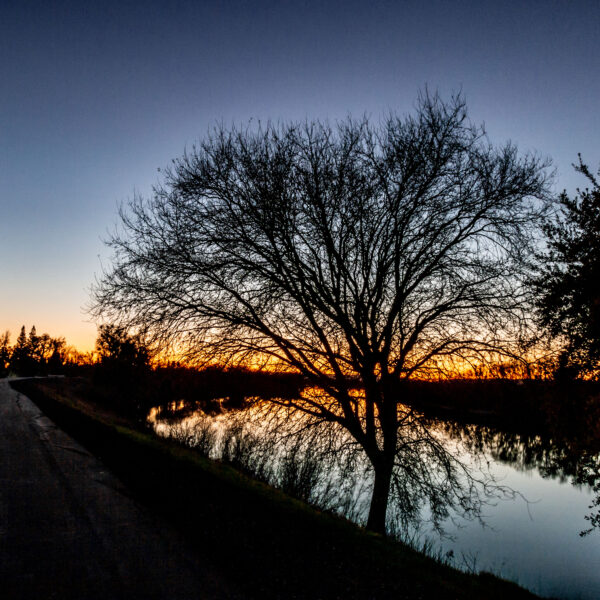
{"points": [[69, 530]]}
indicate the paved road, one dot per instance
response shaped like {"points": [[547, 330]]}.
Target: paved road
{"points": [[69, 530]]}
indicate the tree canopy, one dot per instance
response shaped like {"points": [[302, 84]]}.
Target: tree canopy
{"points": [[568, 281], [358, 254]]}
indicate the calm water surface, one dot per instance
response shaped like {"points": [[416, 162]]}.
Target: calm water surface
{"points": [[536, 541], [532, 539]]}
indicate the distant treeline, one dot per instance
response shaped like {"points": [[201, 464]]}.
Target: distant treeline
{"points": [[553, 407], [34, 354], [122, 374], [125, 376]]}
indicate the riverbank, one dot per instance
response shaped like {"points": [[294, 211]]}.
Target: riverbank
{"points": [[270, 545]]}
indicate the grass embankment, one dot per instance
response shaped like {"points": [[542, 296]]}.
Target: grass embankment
{"points": [[268, 544]]}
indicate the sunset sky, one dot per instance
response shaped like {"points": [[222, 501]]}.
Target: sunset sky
{"points": [[95, 96]]}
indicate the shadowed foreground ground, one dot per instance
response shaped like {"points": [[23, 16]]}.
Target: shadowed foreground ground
{"points": [[262, 543], [69, 529]]}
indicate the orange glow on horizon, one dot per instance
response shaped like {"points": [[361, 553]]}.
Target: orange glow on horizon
{"points": [[81, 337]]}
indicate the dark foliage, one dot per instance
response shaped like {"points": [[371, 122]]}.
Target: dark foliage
{"points": [[231, 386], [22, 360], [121, 354], [133, 389], [121, 368], [32, 354], [5, 354], [568, 284]]}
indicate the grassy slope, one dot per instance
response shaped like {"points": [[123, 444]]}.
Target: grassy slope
{"points": [[271, 545]]}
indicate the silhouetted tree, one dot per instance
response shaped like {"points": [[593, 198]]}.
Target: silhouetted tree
{"points": [[38, 346], [358, 255], [21, 361], [55, 354], [42, 349], [34, 341], [121, 355], [5, 352], [568, 282]]}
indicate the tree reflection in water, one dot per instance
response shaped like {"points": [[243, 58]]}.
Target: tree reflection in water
{"points": [[323, 467], [572, 457], [321, 464], [441, 473]]}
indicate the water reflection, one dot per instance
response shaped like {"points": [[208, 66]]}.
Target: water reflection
{"points": [[535, 543], [574, 460], [320, 462], [281, 447]]}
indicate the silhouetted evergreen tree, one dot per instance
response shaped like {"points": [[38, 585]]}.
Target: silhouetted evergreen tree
{"points": [[568, 283], [21, 361], [35, 351]]}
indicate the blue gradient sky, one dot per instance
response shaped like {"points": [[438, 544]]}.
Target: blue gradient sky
{"points": [[94, 97]]}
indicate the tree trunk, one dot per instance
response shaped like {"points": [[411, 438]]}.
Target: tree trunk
{"points": [[380, 497]]}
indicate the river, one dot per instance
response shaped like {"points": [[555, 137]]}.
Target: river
{"points": [[529, 530]]}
